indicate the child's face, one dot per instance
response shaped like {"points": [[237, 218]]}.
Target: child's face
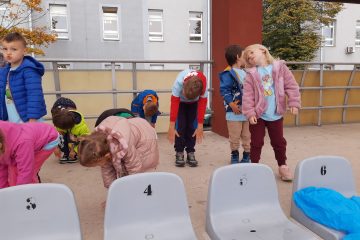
{"points": [[256, 56], [13, 52]]}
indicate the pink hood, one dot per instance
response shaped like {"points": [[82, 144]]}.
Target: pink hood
{"points": [[133, 145], [22, 141]]}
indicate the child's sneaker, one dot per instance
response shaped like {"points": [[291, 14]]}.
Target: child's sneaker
{"points": [[285, 173], [246, 158], [64, 160], [191, 159], [179, 162], [234, 157]]}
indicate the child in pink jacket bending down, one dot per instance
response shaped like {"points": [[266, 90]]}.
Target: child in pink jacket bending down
{"points": [[267, 84], [120, 147], [23, 150]]}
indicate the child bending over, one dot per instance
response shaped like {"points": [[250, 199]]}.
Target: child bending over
{"points": [[120, 147], [71, 124], [23, 150], [146, 105]]}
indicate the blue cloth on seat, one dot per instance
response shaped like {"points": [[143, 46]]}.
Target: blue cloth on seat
{"points": [[331, 209]]}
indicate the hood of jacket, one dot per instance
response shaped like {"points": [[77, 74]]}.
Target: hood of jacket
{"points": [[29, 62]]}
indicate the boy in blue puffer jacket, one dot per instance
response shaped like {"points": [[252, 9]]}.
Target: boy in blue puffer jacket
{"points": [[231, 85], [21, 93]]}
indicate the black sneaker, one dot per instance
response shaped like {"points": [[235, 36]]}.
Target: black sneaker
{"points": [[179, 162], [191, 159], [64, 160]]}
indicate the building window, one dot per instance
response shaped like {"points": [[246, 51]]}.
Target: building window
{"points": [[59, 20], [329, 67], [357, 34], [156, 66], [110, 23], [117, 66], [328, 33], [195, 67], [64, 66], [195, 26], [156, 27]]}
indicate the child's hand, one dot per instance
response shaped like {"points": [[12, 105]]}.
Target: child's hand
{"points": [[57, 152], [294, 110], [253, 120], [199, 133], [235, 107], [172, 133]]}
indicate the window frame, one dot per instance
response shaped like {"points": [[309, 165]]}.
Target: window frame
{"points": [[332, 27], [156, 36], [157, 67], [107, 15], [201, 26], [357, 29], [66, 31]]}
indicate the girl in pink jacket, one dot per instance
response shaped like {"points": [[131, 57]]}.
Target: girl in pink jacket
{"points": [[120, 147], [23, 149], [268, 84]]}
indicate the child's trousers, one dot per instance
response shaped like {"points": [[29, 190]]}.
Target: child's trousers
{"points": [[277, 140], [40, 158], [186, 123], [239, 132]]}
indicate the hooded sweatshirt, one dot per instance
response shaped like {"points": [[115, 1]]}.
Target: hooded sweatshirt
{"points": [[22, 142], [26, 89], [133, 146]]}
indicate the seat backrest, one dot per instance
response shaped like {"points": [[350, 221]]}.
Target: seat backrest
{"points": [[240, 186], [38, 211], [332, 172], [149, 198]]}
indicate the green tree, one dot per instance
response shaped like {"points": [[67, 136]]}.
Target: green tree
{"points": [[291, 28], [15, 16]]}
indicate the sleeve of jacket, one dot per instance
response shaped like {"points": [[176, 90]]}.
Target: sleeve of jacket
{"points": [[35, 96], [4, 182], [248, 99], [226, 87], [25, 160], [108, 173], [291, 88], [136, 105]]}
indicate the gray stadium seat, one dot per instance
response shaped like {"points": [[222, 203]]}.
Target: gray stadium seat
{"points": [[44, 211], [322, 171], [148, 206], [243, 204]]}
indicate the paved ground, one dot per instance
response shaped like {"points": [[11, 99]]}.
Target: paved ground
{"points": [[303, 142]]}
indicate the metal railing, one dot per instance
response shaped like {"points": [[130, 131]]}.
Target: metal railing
{"points": [[134, 69], [321, 88]]}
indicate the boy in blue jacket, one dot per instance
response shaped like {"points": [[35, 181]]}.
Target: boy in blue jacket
{"points": [[146, 105], [231, 85], [21, 93]]}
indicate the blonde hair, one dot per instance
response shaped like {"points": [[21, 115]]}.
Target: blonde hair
{"points": [[270, 59], [92, 148]]}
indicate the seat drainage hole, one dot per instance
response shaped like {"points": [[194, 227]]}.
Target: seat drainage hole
{"points": [[253, 230]]}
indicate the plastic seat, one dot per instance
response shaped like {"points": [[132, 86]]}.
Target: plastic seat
{"points": [[322, 171], [243, 204], [44, 211], [147, 206]]}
